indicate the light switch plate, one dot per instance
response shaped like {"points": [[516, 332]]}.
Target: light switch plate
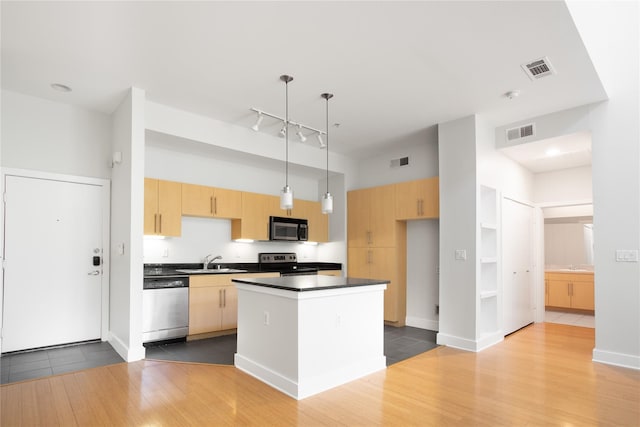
{"points": [[627, 255], [461, 254]]}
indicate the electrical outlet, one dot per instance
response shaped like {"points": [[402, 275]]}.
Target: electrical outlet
{"points": [[461, 254], [165, 253], [266, 318]]}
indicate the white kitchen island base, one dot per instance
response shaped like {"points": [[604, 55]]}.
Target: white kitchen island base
{"points": [[306, 342]]}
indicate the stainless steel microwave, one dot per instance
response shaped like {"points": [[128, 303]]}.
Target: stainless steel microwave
{"points": [[291, 229]]}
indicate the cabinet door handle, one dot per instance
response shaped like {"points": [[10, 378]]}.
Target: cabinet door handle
{"points": [[155, 223], [224, 293], [215, 206], [368, 237], [421, 207], [369, 256], [571, 288], [211, 204], [219, 298], [160, 222]]}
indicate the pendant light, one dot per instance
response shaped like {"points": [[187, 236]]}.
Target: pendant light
{"points": [[286, 194], [327, 199]]}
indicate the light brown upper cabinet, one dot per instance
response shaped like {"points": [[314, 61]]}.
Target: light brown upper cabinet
{"points": [[318, 222], [256, 209], [418, 199], [162, 207], [371, 217], [202, 201]]}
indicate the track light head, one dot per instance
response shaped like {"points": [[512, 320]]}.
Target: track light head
{"points": [[300, 134], [320, 141], [283, 131], [256, 127]]}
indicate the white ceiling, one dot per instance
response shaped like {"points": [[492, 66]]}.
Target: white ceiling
{"points": [[396, 68], [562, 152]]}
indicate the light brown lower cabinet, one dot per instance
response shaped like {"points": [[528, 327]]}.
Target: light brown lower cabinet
{"points": [[213, 302], [570, 290]]}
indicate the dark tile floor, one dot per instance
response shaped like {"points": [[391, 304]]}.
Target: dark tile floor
{"points": [[41, 363], [399, 344]]}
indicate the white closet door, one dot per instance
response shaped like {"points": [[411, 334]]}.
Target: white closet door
{"points": [[53, 229], [517, 249]]}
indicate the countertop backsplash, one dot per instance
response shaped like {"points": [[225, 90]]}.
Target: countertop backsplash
{"points": [[203, 236]]}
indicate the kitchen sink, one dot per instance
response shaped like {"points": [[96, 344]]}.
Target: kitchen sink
{"points": [[212, 271]]}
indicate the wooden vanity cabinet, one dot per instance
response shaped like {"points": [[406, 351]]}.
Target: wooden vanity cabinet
{"points": [[211, 202], [570, 290], [162, 207], [419, 199]]}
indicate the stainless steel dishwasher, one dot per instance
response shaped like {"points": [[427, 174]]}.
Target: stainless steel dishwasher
{"points": [[165, 308]]}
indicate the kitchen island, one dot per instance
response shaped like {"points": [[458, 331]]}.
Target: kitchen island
{"points": [[306, 334]]}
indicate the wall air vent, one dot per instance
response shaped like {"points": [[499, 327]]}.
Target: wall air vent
{"points": [[521, 132], [539, 68], [403, 161]]}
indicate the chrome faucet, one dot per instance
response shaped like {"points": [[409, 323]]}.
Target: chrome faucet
{"points": [[208, 260]]}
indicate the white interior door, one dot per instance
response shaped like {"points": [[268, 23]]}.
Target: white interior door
{"points": [[52, 290], [517, 249]]}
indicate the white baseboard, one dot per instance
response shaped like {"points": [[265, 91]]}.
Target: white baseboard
{"points": [[309, 386], [467, 344], [419, 322], [128, 354], [617, 359]]}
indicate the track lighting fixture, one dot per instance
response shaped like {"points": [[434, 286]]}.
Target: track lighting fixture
{"points": [[283, 130], [300, 134], [320, 141], [327, 198], [256, 127], [286, 194]]}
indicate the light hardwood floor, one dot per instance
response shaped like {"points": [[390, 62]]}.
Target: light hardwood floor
{"points": [[541, 375]]}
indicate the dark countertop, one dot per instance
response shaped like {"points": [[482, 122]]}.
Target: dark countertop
{"points": [[309, 283], [170, 270]]}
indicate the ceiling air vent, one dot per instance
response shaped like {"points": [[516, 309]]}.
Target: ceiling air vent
{"points": [[539, 68], [521, 132], [403, 161]]}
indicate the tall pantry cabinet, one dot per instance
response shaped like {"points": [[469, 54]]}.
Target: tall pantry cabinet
{"points": [[377, 245]]}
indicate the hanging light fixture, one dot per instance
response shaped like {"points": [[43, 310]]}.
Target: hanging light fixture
{"points": [[327, 199], [286, 194]]}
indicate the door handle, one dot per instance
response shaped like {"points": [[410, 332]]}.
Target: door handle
{"points": [[94, 273], [215, 206], [160, 227], [155, 223], [211, 205]]}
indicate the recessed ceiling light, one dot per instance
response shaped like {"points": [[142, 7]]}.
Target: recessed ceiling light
{"points": [[552, 152], [60, 87]]}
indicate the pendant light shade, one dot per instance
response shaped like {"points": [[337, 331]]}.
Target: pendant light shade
{"points": [[327, 198], [286, 194]]}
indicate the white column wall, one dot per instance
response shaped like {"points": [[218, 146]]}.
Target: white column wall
{"points": [[614, 46], [458, 188], [127, 209]]}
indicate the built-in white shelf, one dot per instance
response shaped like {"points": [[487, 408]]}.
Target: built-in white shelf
{"points": [[488, 226], [488, 294], [488, 260]]}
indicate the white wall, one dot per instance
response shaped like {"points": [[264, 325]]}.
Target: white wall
{"points": [[563, 186], [611, 33], [458, 188], [48, 136], [422, 275], [201, 236], [127, 208], [423, 162]]}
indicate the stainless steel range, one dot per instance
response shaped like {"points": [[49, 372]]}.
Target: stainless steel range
{"points": [[286, 263]]}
